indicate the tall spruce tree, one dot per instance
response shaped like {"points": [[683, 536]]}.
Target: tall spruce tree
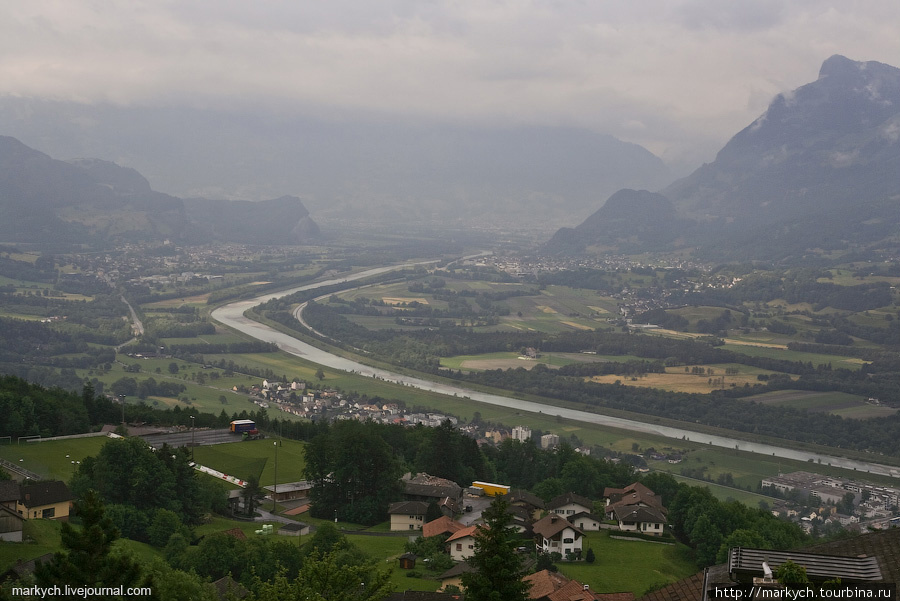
{"points": [[498, 568]]}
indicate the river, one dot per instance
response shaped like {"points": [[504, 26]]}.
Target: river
{"points": [[232, 315]]}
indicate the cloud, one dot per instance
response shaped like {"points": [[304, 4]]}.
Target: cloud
{"points": [[693, 72]]}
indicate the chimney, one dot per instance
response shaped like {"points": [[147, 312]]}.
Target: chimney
{"points": [[586, 587]]}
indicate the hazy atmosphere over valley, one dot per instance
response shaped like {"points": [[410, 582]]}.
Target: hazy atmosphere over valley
{"points": [[432, 300], [409, 109]]}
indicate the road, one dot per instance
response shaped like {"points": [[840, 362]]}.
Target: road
{"points": [[232, 315]]}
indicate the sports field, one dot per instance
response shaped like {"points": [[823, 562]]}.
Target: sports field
{"points": [[255, 458], [52, 459]]}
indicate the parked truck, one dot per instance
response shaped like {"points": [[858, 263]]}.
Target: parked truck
{"points": [[239, 426]]}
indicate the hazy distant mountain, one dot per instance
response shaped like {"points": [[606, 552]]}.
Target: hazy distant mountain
{"points": [[820, 169], [280, 221], [377, 170], [90, 201], [631, 220], [826, 144]]}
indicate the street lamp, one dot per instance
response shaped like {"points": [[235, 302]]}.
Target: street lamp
{"points": [[275, 491], [192, 438], [122, 396]]}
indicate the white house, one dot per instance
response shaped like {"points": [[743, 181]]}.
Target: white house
{"points": [[461, 544], [555, 534], [586, 521], [640, 519], [569, 504]]}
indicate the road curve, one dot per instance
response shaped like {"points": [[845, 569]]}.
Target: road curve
{"points": [[232, 315]]}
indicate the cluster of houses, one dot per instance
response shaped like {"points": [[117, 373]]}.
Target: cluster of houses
{"points": [[557, 528], [298, 399], [812, 498], [49, 499]]}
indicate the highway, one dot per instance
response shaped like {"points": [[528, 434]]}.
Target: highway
{"points": [[232, 315]]}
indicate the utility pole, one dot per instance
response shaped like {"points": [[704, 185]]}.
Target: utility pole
{"points": [[192, 438], [275, 491]]}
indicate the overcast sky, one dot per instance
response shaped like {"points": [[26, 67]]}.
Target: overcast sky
{"points": [[677, 76]]}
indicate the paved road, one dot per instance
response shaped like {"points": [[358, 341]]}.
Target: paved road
{"points": [[233, 315], [200, 438]]}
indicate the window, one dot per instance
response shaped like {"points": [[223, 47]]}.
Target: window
{"points": [[48, 513], [569, 540], [459, 546], [412, 527], [570, 511]]}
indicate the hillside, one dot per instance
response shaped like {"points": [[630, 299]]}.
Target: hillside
{"points": [[97, 202], [364, 171], [817, 171]]}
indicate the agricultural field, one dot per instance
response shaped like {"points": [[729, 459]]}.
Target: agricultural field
{"points": [[836, 403], [512, 361], [836, 361], [552, 310], [52, 459], [222, 336], [682, 379], [206, 396], [197, 300], [845, 277], [629, 565]]}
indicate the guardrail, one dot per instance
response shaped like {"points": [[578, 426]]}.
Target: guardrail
{"points": [[12, 467]]}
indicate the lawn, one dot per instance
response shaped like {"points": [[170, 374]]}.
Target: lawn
{"points": [[629, 566], [44, 537]]}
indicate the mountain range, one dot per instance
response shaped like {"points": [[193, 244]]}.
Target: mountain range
{"points": [[376, 170], [95, 202], [819, 171]]}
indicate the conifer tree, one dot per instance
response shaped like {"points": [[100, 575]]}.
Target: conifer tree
{"points": [[498, 568]]}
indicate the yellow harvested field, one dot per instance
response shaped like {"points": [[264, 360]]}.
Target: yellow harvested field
{"points": [[577, 326], [397, 300], [502, 364], [676, 333], [546, 309], [597, 309], [258, 283], [750, 343], [680, 382]]}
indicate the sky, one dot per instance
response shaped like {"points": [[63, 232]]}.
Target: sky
{"points": [[679, 77]]}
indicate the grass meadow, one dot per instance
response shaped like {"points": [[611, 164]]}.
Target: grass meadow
{"points": [[634, 566], [53, 459], [255, 458]]}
